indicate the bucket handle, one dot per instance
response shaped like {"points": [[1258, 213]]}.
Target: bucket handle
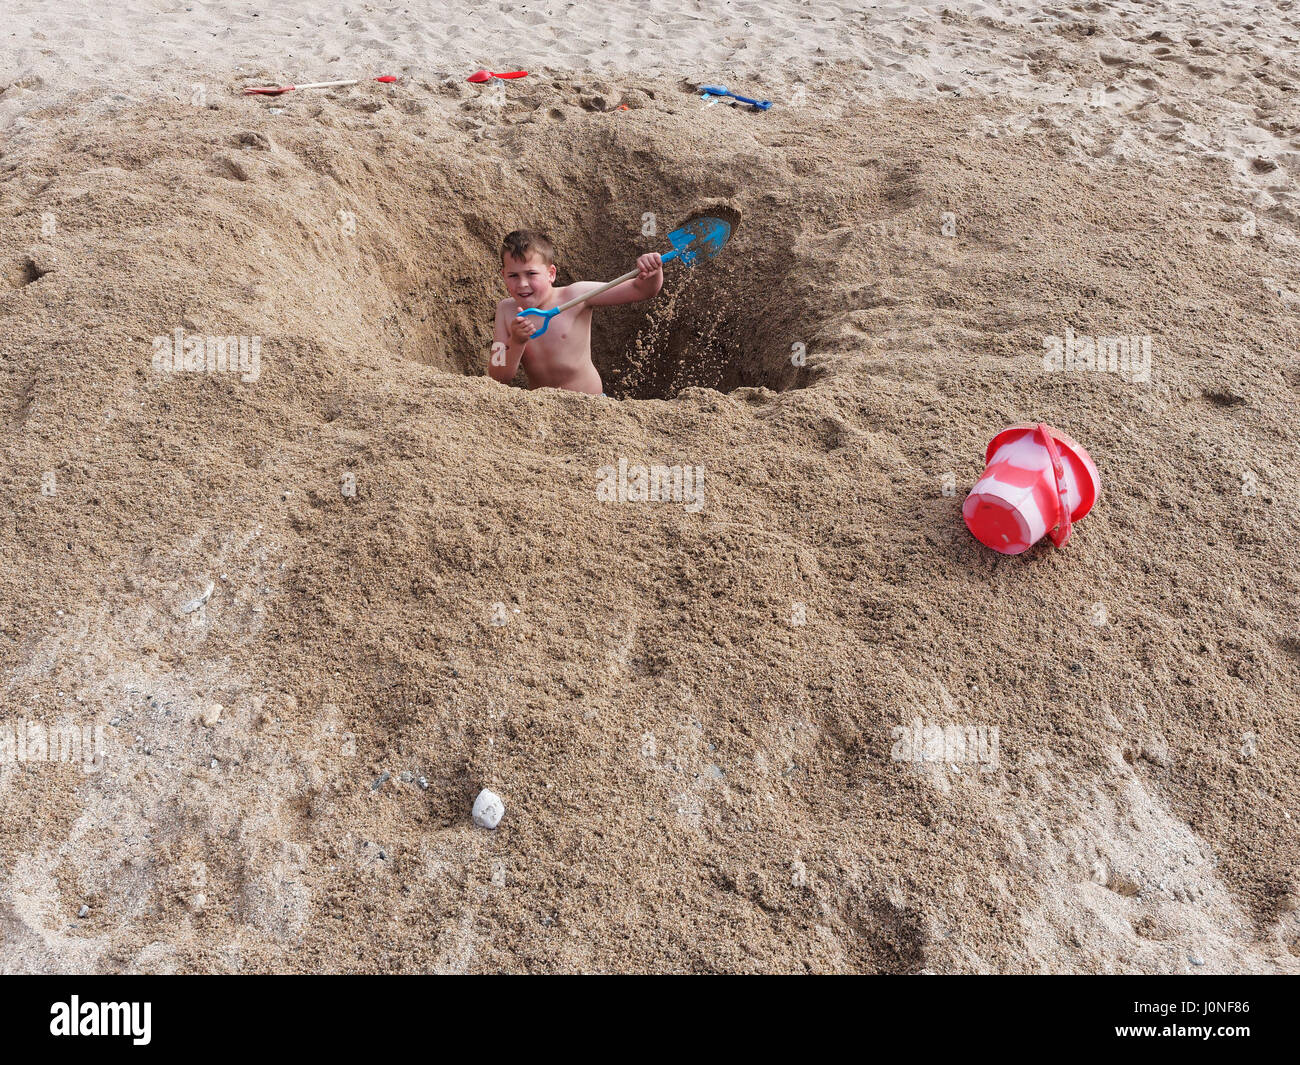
{"points": [[1062, 531]]}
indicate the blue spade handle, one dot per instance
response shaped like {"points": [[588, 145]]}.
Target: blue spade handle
{"points": [[546, 317]]}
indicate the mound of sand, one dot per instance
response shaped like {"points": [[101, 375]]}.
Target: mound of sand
{"points": [[699, 718]]}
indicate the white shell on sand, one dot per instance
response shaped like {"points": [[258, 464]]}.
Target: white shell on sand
{"points": [[488, 809], [199, 599]]}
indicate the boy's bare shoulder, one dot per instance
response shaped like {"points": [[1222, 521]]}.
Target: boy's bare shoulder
{"points": [[507, 304], [575, 289]]}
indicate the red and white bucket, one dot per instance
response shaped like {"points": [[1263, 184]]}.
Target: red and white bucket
{"points": [[1038, 482]]}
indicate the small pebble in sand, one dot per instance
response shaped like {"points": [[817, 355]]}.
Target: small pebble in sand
{"points": [[384, 777], [198, 903], [84, 911], [424, 783], [488, 809], [406, 776], [212, 714], [198, 600]]}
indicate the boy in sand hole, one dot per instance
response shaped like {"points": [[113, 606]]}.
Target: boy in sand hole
{"points": [[560, 357]]}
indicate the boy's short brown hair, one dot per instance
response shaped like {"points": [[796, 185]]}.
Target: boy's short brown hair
{"points": [[523, 242]]}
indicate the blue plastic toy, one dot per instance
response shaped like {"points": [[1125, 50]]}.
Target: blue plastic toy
{"points": [[721, 90]]}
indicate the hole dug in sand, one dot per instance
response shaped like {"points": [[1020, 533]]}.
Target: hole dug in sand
{"points": [[726, 323]]}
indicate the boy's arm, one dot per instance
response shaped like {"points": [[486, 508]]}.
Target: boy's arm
{"points": [[647, 283], [506, 350]]}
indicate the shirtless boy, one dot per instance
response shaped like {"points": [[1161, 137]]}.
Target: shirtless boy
{"points": [[561, 357]]}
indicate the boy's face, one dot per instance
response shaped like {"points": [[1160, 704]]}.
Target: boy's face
{"points": [[528, 282]]}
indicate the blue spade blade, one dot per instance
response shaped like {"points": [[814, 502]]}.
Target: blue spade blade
{"points": [[698, 240]]}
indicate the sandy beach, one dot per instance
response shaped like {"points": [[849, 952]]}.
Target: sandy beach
{"points": [[269, 624]]}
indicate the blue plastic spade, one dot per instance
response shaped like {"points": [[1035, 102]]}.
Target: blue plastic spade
{"points": [[700, 239], [722, 90]]}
